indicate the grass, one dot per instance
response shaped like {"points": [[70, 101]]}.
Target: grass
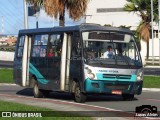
{"points": [[6, 75], [9, 107], [151, 82]]}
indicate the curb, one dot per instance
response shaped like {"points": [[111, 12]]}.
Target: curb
{"points": [[8, 84], [144, 89], [151, 89], [151, 66]]}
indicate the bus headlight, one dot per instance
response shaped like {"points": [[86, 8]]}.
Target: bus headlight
{"points": [[91, 76], [89, 71], [140, 76]]}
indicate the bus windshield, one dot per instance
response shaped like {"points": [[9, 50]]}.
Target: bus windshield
{"points": [[110, 49]]}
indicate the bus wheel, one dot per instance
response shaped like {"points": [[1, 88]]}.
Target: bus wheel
{"points": [[78, 95], [128, 97], [36, 91]]}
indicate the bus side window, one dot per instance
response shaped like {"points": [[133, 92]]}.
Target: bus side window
{"points": [[55, 45], [40, 46], [20, 46]]}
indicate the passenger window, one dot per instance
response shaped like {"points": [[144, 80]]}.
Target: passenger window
{"points": [[40, 46], [20, 46], [55, 45], [55, 39]]}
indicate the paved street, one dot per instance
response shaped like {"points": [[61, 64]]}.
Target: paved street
{"points": [[111, 102], [152, 71], [6, 64]]}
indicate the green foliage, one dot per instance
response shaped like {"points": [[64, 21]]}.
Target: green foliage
{"points": [[108, 25], [124, 26], [7, 48], [143, 9], [6, 75], [9, 106], [151, 82]]}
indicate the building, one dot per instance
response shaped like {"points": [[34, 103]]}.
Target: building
{"points": [[8, 40], [110, 12]]}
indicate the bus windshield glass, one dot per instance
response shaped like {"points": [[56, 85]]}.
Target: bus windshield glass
{"points": [[110, 49]]}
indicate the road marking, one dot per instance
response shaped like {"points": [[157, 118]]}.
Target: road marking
{"points": [[8, 84], [89, 107], [152, 99]]}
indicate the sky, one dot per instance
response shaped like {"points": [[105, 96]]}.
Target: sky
{"points": [[12, 15]]}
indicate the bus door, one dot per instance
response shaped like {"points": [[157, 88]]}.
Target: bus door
{"points": [[54, 51], [58, 61], [21, 62], [18, 60], [65, 63], [38, 62]]}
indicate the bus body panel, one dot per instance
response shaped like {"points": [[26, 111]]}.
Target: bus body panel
{"points": [[60, 73], [108, 79]]}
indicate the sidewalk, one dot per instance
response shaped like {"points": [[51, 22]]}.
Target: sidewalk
{"points": [[150, 66], [99, 113]]}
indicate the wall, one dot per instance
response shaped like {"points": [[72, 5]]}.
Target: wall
{"points": [[6, 56], [117, 18]]}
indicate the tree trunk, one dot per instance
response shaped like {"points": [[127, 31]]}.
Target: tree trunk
{"points": [[147, 55], [62, 18]]}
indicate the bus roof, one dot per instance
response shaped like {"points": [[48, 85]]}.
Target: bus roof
{"points": [[82, 27]]}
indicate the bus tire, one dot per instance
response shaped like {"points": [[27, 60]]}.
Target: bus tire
{"points": [[128, 97], [78, 95], [46, 93], [36, 91]]}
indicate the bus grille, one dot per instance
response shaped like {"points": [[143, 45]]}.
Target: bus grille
{"points": [[116, 87], [111, 76]]}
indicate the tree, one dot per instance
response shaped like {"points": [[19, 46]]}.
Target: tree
{"points": [[56, 8], [143, 9]]}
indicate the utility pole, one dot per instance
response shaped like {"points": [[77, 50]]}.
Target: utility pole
{"points": [[2, 25], [152, 32], [159, 27], [25, 15]]}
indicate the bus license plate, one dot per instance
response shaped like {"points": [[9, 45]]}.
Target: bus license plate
{"points": [[117, 92]]}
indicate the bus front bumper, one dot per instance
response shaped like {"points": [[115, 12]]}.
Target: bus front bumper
{"points": [[107, 87]]}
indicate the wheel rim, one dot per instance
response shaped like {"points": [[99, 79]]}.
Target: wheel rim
{"points": [[77, 92]]}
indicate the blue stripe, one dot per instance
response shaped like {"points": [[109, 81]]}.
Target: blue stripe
{"points": [[38, 75]]}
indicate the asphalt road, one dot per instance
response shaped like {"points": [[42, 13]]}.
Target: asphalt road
{"points": [[152, 71], [6, 64], [112, 102]]}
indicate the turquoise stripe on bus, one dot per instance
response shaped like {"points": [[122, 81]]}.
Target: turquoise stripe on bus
{"points": [[39, 76], [100, 77]]}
